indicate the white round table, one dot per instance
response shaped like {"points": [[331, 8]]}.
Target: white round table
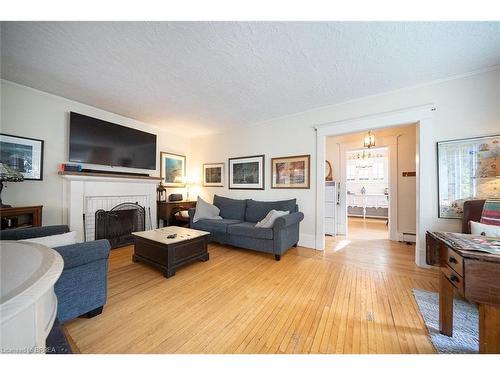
{"points": [[28, 304]]}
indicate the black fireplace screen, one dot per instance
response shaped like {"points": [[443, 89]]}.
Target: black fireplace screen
{"points": [[117, 224]]}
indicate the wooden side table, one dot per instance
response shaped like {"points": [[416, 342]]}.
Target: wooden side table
{"points": [[472, 274], [21, 217], [165, 210]]}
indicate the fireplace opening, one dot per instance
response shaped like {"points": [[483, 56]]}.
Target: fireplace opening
{"points": [[117, 224]]}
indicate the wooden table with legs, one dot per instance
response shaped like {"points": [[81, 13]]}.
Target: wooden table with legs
{"points": [[472, 274], [167, 209]]}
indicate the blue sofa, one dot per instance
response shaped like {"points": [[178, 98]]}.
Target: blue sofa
{"points": [[239, 217], [82, 286]]}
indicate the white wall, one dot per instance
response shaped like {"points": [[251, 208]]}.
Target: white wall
{"points": [[30, 113], [466, 107], [405, 137]]}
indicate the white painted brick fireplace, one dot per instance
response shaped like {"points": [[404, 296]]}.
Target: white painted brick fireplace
{"points": [[87, 194]]}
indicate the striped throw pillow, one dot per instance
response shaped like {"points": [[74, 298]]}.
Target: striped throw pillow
{"points": [[491, 212]]}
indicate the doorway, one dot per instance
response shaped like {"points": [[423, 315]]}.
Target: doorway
{"points": [[422, 117], [367, 193]]}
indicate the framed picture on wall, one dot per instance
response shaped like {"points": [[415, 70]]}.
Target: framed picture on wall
{"points": [[291, 172], [22, 154], [246, 172], [172, 169], [213, 174], [467, 169]]}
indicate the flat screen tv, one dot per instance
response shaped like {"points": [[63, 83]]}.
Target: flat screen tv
{"points": [[96, 141]]}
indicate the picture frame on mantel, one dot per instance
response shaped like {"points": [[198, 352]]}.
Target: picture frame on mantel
{"points": [[246, 173], [23, 154], [213, 174], [291, 172], [172, 169]]}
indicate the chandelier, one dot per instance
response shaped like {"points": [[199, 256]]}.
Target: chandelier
{"points": [[369, 140]]}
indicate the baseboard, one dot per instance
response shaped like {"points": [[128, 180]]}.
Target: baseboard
{"points": [[307, 240]]}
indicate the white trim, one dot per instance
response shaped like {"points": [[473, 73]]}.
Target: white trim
{"points": [[421, 115], [307, 240]]}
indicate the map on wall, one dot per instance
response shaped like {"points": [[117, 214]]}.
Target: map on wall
{"points": [[468, 169]]}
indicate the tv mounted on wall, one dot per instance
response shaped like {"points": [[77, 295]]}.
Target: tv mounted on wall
{"points": [[95, 141]]}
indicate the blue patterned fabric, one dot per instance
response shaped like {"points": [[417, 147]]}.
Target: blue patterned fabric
{"points": [[231, 208], [276, 240], [82, 286], [257, 210]]}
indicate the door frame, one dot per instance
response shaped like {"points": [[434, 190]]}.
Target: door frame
{"points": [[423, 117]]}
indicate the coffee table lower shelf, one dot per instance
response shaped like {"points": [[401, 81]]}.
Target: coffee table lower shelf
{"points": [[169, 257]]}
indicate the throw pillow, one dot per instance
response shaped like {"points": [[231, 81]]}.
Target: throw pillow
{"points": [[484, 229], [57, 240], [270, 218], [205, 210], [491, 212]]}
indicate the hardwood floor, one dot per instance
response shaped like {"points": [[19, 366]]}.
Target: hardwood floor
{"points": [[353, 298]]}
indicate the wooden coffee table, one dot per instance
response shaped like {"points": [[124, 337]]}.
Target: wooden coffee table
{"points": [[168, 254]]}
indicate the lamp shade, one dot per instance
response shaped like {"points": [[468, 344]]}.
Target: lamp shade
{"points": [[9, 175]]}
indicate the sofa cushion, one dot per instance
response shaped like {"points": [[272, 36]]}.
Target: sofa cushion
{"points": [[257, 210], [484, 229], [247, 229], [214, 225], [231, 208]]}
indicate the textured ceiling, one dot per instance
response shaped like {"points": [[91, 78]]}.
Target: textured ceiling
{"points": [[199, 77]]}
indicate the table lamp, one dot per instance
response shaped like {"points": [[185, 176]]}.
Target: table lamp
{"points": [[7, 174]]}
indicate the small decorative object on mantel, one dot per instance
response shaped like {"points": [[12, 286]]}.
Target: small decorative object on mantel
{"points": [[328, 171], [291, 172], [467, 169], [246, 172], [213, 174], [172, 169], [8, 174], [24, 155], [161, 193]]}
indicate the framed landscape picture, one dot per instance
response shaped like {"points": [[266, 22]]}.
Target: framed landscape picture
{"points": [[24, 155], [213, 174], [291, 172], [246, 172], [172, 169], [467, 169]]}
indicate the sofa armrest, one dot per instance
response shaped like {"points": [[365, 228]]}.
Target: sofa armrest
{"points": [[26, 233], [473, 210], [288, 220], [82, 253], [191, 212]]}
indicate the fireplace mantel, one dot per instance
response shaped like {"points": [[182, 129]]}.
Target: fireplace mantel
{"points": [[89, 176]]}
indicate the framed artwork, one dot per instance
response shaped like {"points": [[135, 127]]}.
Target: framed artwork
{"points": [[213, 174], [467, 169], [24, 155], [291, 172], [246, 172], [172, 169]]}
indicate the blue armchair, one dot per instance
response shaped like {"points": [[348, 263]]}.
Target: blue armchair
{"points": [[82, 288]]}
